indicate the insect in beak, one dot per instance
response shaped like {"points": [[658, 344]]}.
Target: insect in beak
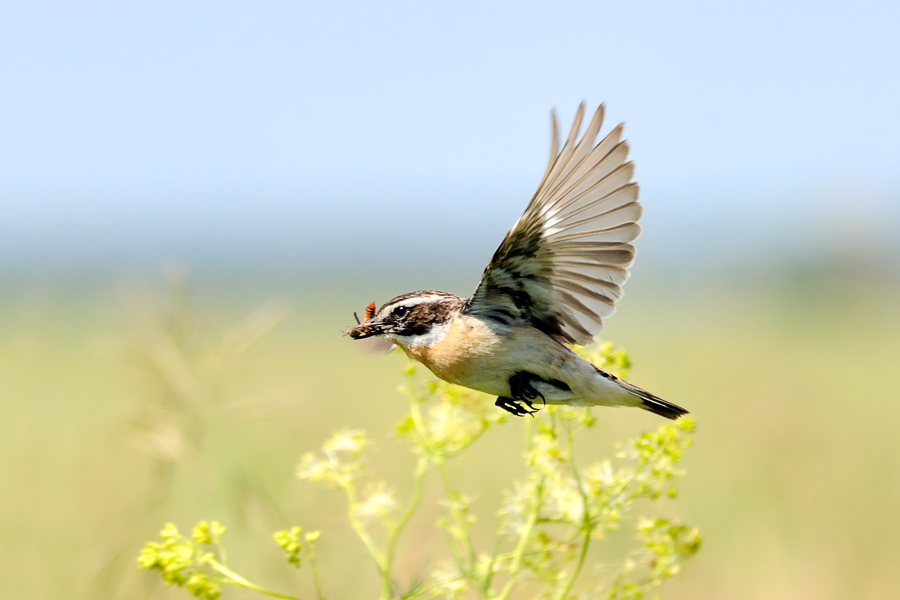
{"points": [[367, 327]]}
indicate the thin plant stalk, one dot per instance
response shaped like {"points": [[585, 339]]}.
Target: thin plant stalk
{"points": [[232, 578], [418, 485], [524, 538]]}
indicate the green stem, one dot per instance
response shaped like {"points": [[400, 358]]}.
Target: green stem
{"points": [[585, 519], [489, 576], [434, 584], [465, 539], [221, 550], [461, 545], [499, 558], [232, 578], [418, 485], [311, 557], [465, 555], [416, 414], [360, 529], [524, 537], [578, 566]]}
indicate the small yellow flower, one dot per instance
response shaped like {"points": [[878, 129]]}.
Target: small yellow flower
{"points": [[207, 533], [312, 468], [169, 531]]}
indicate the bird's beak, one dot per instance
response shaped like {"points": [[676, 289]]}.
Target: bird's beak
{"points": [[368, 329]]}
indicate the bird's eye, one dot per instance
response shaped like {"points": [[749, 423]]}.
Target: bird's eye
{"points": [[401, 311]]}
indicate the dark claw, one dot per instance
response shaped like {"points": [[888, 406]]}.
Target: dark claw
{"points": [[513, 406], [522, 392]]}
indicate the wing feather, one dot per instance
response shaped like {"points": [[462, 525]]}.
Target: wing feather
{"points": [[610, 295], [565, 154], [582, 240], [620, 215], [597, 189], [610, 276], [575, 191], [584, 146], [589, 211], [562, 265], [609, 152]]}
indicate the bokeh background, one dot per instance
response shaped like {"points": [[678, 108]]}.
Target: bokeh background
{"points": [[194, 197]]}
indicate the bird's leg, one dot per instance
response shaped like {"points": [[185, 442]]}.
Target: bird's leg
{"points": [[522, 392]]}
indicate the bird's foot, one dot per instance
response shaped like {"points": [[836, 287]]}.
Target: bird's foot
{"points": [[515, 406], [522, 392]]}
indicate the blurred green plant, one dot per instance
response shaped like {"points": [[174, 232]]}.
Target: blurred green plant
{"points": [[184, 408], [181, 363], [548, 522]]}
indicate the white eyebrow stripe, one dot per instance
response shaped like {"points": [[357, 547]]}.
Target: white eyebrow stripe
{"points": [[417, 301]]}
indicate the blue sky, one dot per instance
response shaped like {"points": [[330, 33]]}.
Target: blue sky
{"points": [[142, 132]]}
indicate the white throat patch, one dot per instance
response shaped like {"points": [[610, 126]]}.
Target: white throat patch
{"points": [[434, 335]]}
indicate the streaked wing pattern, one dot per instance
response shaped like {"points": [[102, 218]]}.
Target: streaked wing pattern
{"points": [[563, 264]]}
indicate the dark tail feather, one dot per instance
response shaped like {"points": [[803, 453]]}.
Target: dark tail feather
{"points": [[649, 401], [661, 407], [654, 403]]}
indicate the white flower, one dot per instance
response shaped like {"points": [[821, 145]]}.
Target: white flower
{"points": [[565, 501], [349, 441], [516, 505], [379, 504]]}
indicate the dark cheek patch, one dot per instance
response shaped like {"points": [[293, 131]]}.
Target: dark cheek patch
{"points": [[415, 327], [423, 317]]}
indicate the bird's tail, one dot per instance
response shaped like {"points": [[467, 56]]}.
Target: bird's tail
{"points": [[660, 406], [644, 399]]}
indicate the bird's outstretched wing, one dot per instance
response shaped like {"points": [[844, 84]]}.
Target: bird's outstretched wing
{"points": [[563, 263]]}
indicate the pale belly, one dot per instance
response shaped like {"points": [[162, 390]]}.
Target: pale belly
{"points": [[474, 356]]}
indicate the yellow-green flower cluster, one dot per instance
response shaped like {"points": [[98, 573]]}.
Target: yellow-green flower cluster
{"points": [[667, 545], [208, 533], [340, 461], [184, 561], [560, 507], [456, 418], [547, 524], [657, 454], [290, 541]]}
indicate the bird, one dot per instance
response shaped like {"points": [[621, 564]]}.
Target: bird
{"points": [[554, 279]]}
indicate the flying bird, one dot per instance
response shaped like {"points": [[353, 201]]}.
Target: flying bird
{"points": [[556, 276]]}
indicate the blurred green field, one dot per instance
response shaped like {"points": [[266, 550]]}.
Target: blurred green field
{"points": [[794, 478]]}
